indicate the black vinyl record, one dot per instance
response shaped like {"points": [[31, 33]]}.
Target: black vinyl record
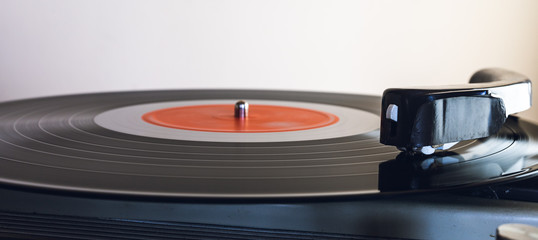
{"points": [[84, 144]]}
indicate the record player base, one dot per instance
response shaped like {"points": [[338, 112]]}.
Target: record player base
{"points": [[30, 215]]}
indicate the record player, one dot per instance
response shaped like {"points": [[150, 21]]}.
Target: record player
{"points": [[447, 162]]}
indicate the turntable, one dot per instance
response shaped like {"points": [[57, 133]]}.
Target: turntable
{"points": [[445, 163]]}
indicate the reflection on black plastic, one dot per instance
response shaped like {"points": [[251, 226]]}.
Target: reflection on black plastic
{"points": [[506, 154], [433, 172]]}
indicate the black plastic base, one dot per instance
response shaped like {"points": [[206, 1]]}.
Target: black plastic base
{"points": [[416, 216]]}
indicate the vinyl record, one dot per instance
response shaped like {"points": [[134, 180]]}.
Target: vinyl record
{"points": [[105, 144]]}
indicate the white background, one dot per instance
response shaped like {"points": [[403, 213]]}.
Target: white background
{"points": [[65, 47]]}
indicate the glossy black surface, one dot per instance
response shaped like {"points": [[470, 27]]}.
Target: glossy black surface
{"points": [[437, 115]]}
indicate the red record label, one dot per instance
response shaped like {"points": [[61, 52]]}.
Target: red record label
{"points": [[220, 118]]}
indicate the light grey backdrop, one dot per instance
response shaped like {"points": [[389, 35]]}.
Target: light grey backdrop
{"points": [[65, 47]]}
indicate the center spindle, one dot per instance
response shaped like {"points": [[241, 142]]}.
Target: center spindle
{"points": [[241, 109]]}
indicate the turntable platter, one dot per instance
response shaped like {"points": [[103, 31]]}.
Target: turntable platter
{"points": [[99, 143]]}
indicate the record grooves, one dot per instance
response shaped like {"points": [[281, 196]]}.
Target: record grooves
{"points": [[56, 143]]}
